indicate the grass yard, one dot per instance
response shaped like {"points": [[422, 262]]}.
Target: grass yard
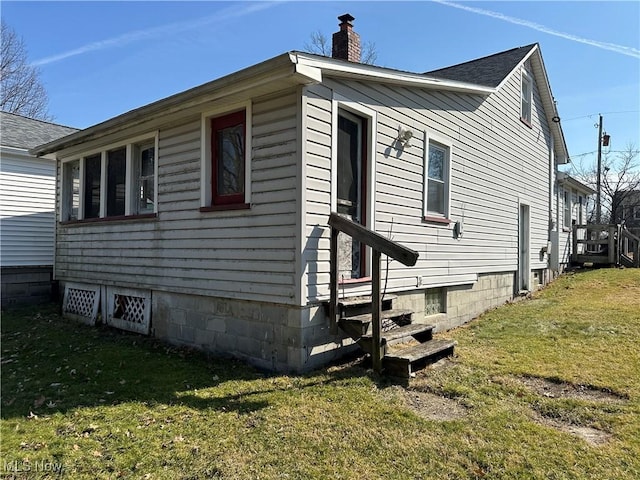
{"points": [[547, 388]]}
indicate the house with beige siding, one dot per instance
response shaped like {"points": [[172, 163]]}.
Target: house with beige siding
{"points": [[203, 218]]}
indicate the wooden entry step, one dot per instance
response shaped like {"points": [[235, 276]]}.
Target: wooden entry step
{"points": [[403, 362]]}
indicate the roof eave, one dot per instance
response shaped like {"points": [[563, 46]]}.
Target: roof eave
{"points": [[277, 68]]}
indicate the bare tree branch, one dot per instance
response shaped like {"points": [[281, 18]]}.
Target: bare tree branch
{"points": [[319, 44], [21, 90], [620, 178]]}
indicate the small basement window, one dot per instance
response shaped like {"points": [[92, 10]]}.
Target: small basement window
{"points": [[435, 301]]}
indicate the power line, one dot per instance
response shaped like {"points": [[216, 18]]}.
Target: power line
{"points": [[604, 113], [595, 151]]}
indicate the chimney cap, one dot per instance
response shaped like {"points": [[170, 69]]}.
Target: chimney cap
{"points": [[346, 18]]}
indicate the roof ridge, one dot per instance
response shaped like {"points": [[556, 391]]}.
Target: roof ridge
{"points": [[527, 47]]}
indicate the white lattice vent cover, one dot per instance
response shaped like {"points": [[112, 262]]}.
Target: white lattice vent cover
{"points": [[81, 302], [129, 309]]}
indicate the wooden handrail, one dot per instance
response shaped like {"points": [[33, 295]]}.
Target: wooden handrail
{"points": [[378, 244], [404, 255]]}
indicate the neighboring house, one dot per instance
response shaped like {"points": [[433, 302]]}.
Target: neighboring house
{"points": [[627, 209], [202, 218], [571, 210], [27, 209]]}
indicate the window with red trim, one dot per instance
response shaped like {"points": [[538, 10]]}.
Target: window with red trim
{"points": [[228, 158]]}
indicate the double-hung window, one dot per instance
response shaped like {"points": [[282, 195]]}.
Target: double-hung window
{"points": [[144, 163], [437, 180], [118, 181], [527, 98]]}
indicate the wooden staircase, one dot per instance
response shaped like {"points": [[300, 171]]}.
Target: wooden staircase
{"points": [[397, 346], [405, 346]]}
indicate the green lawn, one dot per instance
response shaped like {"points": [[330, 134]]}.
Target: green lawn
{"points": [[547, 388]]}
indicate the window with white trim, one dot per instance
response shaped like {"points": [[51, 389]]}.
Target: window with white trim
{"points": [[114, 182], [437, 179], [144, 175], [71, 175], [527, 97]]}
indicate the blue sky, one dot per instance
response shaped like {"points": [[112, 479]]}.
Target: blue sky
{"points": [[100, 59]]}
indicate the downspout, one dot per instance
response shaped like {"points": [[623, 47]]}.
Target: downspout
{"points": [[552, 246]]}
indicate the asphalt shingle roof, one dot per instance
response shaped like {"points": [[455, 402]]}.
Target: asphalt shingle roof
{"points": [[488, 71], [22, 132]]}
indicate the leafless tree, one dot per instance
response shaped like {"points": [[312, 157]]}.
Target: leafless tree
{"points": [[620, 182], [320, 44], [21, 90]]}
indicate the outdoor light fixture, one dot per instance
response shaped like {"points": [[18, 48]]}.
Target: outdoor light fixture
{"points": [[404, 136], [605, 140], [556, 119]]}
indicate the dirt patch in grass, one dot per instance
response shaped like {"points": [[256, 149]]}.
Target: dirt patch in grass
{"points": [[557, 389], [591, 435], [426, 404]]}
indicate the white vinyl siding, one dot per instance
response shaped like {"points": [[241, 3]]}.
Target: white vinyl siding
{"points": [[243, 254], [496, 164], [27, 213]]}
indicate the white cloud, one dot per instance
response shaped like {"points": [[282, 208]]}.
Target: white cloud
{"points": [[630, 51], [127, 38]]}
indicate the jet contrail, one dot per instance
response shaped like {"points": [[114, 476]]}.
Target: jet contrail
{"points": [[128, 38], [630, 51]]}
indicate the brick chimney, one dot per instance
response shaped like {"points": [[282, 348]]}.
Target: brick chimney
{"points": [[346, 42]]}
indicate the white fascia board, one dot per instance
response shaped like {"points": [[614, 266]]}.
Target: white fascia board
{"points": [[335, 68]]}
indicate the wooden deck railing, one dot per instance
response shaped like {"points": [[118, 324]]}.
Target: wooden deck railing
{"points": [[610, 244], [378, 245], [599, 243], [629, 248]]}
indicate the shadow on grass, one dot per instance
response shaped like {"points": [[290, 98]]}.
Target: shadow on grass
{"points": [[54, 365]]}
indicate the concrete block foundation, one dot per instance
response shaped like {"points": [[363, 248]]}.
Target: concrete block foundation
{"points": [[288, 338], [26, 285]]}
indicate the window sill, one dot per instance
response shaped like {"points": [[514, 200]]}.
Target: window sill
{"points": [[440, 220], [352, 281], [526, 122], [221, 208], [119, 218]]}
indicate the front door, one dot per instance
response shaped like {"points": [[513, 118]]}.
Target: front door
{"points": [[351, 198]]}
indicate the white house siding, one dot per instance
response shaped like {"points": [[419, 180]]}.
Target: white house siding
{"points": [[27, 218], [565, 235], [241, 254], [27, 204], [497, 163]]}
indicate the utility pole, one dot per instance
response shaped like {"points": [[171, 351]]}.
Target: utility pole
{"points": [[599, 181]]}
